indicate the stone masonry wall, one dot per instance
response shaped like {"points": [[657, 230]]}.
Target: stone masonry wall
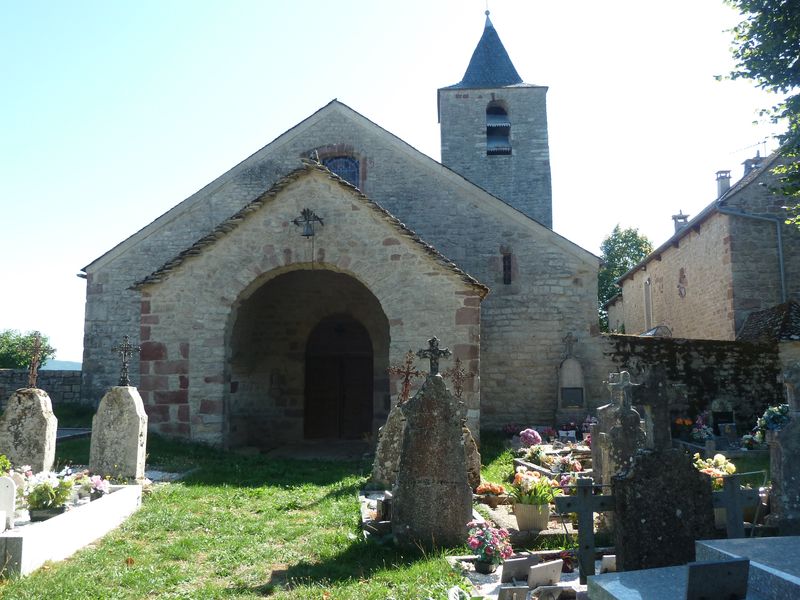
{"points": [[63, 387], [690, 286], [188, 317], [554, 282], [521, 178], [744, 374]]}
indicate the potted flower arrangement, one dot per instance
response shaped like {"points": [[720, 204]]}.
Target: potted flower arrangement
{"points": [[682, 427], [93, 486], [530, 437], [716, 468], [46, 495], [701, 432], [491, 493], [490, 544], [773, 419], [532, 493]]}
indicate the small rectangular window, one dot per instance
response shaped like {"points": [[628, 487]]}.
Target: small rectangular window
{"points": [[506, 269]]}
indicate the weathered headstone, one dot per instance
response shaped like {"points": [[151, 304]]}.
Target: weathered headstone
{"points": [[387, 454], [784, 448], [473, 458], [662, 505], [654, 396], [432, 499], [28, 430], [8, 501], [119, 435]]}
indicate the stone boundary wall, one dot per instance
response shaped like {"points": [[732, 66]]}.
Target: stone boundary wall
{"points": [[745, 374], [63, 387]]}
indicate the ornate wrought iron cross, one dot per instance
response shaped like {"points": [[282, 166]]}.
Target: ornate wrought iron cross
{"points": [[36, 359], [458, 375], [434, 353], [125, 351], [408, 372], [307, 219]]}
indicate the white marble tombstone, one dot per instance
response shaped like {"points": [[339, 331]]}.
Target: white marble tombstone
{"points": [[8, 502]]}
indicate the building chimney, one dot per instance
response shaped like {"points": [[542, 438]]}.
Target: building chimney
{"points": [[680, 220], [751, 164], [723, 182]]}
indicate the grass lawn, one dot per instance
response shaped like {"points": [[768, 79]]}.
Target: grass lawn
{"points": [[240, 527]]}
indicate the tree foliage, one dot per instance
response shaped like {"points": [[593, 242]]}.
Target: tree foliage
{"points": [[766, 47], [16, 349], [621, 251]]}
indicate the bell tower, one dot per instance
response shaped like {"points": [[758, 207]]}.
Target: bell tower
{"points": [[494, 130]]}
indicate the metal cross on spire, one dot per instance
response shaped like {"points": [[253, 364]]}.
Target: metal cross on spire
{"points": [[458, 375], [408, 372], [434, 353], [36, 359], [125, 351]]}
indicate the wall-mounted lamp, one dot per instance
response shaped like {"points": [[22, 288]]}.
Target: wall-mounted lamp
{"points": [[307, 219]]}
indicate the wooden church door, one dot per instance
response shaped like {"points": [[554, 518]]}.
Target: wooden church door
{"points": [[339, 380]]}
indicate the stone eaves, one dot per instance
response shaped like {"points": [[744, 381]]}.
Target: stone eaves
{"points": [[308, 166]]}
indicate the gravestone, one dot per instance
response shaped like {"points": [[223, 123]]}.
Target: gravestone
{"points": [[432, 499], [662, 506], [28, 430], [784, 448], [387, 454], [473, 458], [654, 395], [119, 435], [8, 502]]}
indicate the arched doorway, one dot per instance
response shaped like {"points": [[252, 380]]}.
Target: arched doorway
{"points": [[339, 380]]}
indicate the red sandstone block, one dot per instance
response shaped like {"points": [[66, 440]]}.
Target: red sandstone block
{"points": [[390, 241], [144, 333], [172, 367], [173, 397], [468, 316], [183, 413], [472, 301], [211, 407], [395, 322], [149, 319], [465, 351], [183, 382], [152, 351], [145, 310], [214, 379], [394, 257], [157, 413]]}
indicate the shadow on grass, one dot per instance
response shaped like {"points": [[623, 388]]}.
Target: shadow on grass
{"points": [[360, 560]]}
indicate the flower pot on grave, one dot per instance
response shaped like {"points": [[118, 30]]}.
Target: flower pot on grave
{"points": [[532, 517], [484, 566], [96, 495], [42, 514]]}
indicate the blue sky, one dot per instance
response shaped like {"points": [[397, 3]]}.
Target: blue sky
{"points": [[113, 112]]}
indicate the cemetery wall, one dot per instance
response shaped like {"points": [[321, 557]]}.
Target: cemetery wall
{"points": [[62, 386], [789, 353], [744, 374], [553, 287]]}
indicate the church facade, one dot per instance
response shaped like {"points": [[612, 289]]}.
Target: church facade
{"points": [[270, 304]]}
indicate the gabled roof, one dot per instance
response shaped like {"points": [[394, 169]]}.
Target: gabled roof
{"points": [[490, 65], [713, 208], [493, 203], [779, 323], [308, 166]]}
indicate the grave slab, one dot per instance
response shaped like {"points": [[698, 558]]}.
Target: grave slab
{"points": [[25, 549]]}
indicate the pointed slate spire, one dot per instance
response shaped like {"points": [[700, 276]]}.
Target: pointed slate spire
{"points": [[490, 66]]}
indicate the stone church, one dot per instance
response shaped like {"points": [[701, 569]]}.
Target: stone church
{"points": [[270, 304]]}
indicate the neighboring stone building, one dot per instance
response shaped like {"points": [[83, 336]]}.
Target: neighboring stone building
{"points": [[256, 332], [735, 257], [777, 325]]}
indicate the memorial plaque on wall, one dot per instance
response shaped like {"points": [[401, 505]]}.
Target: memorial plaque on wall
{"points": [[571, 397]]}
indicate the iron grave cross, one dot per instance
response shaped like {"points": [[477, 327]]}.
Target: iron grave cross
{"points": [[125, 351], [434, 353], [36, 359], [407, 372], [458, 374]]}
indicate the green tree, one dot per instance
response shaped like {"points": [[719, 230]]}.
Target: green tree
{"points": [[620, 251], [766, 47], [16, 349]]}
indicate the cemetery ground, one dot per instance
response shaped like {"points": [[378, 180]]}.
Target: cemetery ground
{"points": [[250, 527]]}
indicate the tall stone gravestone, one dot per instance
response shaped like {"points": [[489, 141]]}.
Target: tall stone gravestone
{"points": [[784, 448], [432, 499], [654, 396], [387, 454], [662, 506], [617, 434], [119, 434], [28, 430]]}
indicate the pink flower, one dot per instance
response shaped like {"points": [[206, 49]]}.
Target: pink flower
{"points": [[473, 543]]}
